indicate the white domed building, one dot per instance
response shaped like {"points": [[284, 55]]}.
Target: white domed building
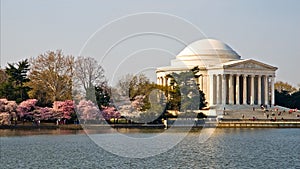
{"points": [[224, 77]]}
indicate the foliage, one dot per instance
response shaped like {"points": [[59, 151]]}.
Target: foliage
{"points": [[184, 92], [284, 87], [102, 94], [51, 77], [285, 99], [157, 108], [139, 85], [136, 86], [3, 76], [12, 86]]}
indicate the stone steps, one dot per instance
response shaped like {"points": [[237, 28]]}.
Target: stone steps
{"points": [[238, 111]]}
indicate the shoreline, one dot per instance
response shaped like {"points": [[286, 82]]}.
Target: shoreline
{"points": [[221, 124]]}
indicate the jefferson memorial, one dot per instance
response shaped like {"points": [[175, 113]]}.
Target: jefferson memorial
{"points": [[224, 77]]}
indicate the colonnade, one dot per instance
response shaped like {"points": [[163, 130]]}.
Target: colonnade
{"points": [[234, 89], [241, 89], [164, 81]]}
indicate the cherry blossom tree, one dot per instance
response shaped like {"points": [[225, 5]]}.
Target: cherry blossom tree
{"points": [[64, 109], [138, 102], [87, 110], [7, 110], [46, 113], [26, 108], [109, 112]]}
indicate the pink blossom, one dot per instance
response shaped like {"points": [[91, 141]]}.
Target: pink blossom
{"points": [[64, 109], [110, 112], [87, 110], [7, 110], [26, 107]]}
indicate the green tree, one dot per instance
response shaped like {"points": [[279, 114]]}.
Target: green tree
{"points": [[287, 96], [283, 98], [99, 95], [13, 87], [102, 96], [138, 85], [295, 100], [184, 91]]}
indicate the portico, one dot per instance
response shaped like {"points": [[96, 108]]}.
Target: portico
{"points": [[241, 89]]}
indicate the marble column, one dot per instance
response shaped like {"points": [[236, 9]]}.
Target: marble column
{"points": [[211, 89], [205, 84], [231, 89], [272, 91], [244, 89], [237, 89], [219, 89], [259, 90], [224, 89], [215, 89], [200, 82], [166, 81], [266, 91], [252, 90], [160, 80]]}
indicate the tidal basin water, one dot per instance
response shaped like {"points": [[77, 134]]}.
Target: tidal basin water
{"points": [[226, 148]]}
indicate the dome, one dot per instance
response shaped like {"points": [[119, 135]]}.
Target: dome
{"points": [[207, 46], [206, 52]]}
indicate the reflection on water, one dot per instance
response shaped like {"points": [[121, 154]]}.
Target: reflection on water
{"points": [[226, 148], [29, 132]]}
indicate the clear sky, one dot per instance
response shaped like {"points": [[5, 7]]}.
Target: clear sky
{"points": [[265, 30]]}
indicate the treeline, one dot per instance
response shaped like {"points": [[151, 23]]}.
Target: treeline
{"points": [[286, 95], [41, 88], [53, 78]]}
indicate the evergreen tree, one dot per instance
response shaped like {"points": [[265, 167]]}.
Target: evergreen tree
{"points": [[102, 96], [184, 92], [14, 87]]}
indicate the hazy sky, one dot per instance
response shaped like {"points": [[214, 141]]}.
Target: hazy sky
{"points": [[265, 30]]}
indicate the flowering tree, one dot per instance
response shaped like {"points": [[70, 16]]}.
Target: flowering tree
{"points": [[131, 109], [64, 109], [87, 110], [109, 112], [138, 102], [26, 108], [43, 113], [7, 110]]}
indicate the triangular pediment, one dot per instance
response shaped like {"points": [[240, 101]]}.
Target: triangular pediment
{"points": [[248, 64]]}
